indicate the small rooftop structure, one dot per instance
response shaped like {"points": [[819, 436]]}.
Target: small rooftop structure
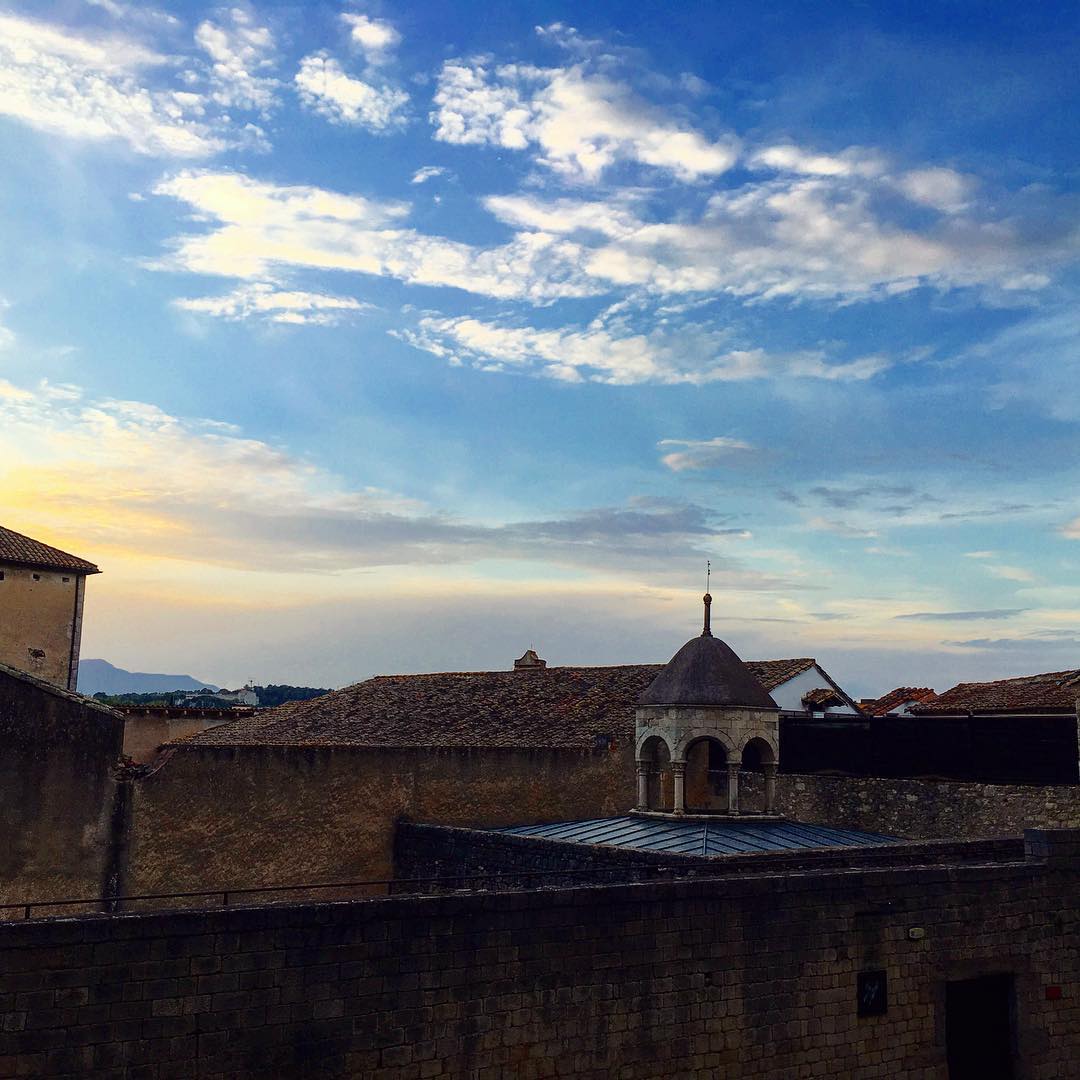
{"points": [[899, 699], [700, 837], [696, 723], [529, 661]]}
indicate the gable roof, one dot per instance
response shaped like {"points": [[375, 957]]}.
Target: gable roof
{"points": [[1053, 691], [895, 698], [25, 551], [556, 707]]}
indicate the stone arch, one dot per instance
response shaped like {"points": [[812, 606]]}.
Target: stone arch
{"points": [[655, 778], [757, 776], [683, 745], [707, 760]]}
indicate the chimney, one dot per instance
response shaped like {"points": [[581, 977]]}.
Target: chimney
{"points": [[529, 662]]}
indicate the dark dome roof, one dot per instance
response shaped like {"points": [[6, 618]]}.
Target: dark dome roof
{"points": [[705, 671]]}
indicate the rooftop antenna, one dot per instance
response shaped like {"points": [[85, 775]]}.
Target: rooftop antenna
{"points": [[707, 631]]}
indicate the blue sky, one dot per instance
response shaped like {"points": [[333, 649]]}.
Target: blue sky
{"points": [[354, 338]]}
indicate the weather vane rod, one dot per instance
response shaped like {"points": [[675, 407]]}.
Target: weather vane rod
{"points": [[707, 630]]}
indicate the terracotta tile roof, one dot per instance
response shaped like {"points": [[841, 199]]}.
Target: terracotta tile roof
{"points": [[895, 698], [1053, 691], [561, 707], [824, 696], [22, 550]]}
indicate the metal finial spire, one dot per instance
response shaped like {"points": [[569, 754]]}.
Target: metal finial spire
{"points": [[707, 630]]}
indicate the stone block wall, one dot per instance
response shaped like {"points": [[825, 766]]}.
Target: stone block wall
{"points": [[218, 818], [748, 977], [926, 809]]}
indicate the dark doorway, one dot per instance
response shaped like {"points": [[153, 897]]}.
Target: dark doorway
{"points": [[978, 1028]]}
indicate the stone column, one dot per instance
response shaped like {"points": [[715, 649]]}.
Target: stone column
{"points": [[678, 775], [642, 785], [770, 788], [733, 786]]}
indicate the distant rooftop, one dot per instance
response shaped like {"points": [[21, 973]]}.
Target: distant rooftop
{"points": [[895, 698], [561, 707], [700, 837], [25, 551], [1053, 691]]}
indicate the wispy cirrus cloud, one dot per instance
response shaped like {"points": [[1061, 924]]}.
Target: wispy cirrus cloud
{"points": [[696, 454], [688, 354], [264, 301], [962, 616]]}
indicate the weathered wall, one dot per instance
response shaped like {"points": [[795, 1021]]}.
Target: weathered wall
{"points": [[38, 619], [747, 977], [260, 816], [147, 729], [924, 809], [57, 793]]}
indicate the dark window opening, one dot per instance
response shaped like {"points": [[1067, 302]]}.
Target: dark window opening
{"points": [[37, 577], [717, 774], [979, 1028], [66, 579], [1, 575]]}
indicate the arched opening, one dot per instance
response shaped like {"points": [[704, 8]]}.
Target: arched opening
{"points": [[660, 786], [757, 753], [706, 775]]}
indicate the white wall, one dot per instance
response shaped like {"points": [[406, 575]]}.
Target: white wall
{"points": [[789, 695]]}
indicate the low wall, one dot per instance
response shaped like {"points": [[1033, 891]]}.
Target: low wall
{"points": [[754, 976], [927, 809], [63, 812]]}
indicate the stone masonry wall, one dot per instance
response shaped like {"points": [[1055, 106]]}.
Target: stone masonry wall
{"points": [[925, 809], [748, 977], [217, 818]]}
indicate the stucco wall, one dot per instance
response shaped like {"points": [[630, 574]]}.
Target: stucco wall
{"points": [[246, 817], [58, 795], [39, 617]]}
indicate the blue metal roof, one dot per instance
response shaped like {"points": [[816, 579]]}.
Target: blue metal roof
{"points": [[700, 837]]}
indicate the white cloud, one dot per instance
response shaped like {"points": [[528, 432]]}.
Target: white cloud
{"points": [[7, 336], [1072, 529], [376, 37], [258, 228], [1010, 573], [264, 301], [426, 173], [241, 54], [325, 87], [693, 355], [581, 124], [840, 528], [939, 188], [563, 216], [787, 157], [86, 88], [704, 453]]}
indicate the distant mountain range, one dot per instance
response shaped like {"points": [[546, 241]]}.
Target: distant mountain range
{"points": [[101, 677]]}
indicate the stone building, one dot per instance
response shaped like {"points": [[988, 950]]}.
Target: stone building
{"points": [[42, 590]]}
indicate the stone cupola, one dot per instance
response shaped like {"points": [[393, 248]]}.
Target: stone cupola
{"points": [[702, 721]]}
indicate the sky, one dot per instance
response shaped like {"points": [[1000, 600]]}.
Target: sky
{"points": [[352, 338]]}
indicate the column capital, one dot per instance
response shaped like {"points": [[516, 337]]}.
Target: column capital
{"points": [[678, 768]]}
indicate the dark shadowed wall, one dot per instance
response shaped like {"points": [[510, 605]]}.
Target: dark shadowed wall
{"points": [[61, 809]]}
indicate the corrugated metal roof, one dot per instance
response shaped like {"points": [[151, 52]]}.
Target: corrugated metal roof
{"points": [[700, 837]]}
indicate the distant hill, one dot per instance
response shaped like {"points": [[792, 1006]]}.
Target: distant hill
{"points": [[101, 677]]}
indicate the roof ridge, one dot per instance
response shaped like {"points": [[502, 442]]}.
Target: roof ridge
{"points": [[17, 547]]}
